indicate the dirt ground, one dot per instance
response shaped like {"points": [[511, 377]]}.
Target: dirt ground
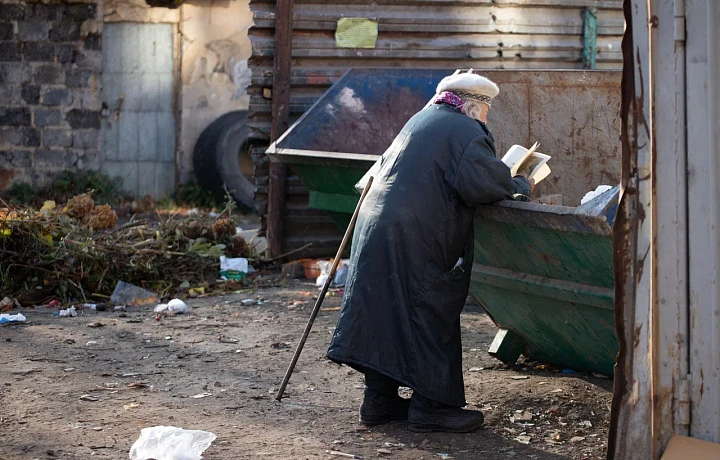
{"points": [[68, 390]]}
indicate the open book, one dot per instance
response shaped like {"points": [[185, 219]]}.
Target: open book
{"points": [[528, 162]]}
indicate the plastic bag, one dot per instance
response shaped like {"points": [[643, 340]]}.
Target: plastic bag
{"points": [[129, 294], [594, 193], [171, 443], [8, 318]]}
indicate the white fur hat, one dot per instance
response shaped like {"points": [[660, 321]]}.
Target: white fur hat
{"points": [[470, 85]]}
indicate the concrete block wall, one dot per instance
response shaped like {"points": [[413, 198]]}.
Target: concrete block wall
{"points": [[49, 90]]}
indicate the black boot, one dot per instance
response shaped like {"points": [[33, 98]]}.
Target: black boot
{"points": [[381, 403], [426, 415]]}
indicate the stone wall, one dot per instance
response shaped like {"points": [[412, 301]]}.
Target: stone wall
{"points": [[49, 90], [51, 78]]}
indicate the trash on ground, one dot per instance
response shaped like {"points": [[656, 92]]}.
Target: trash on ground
{"points": [[133, 405], [248, 302], [161, 307], [476, 369], [198, 291], [201, 395], [235, 269], [337, 453], [384, 451], [577, 439], [95, 324], [521, 416], [72, 312], [90, 398], [523, 439], [177, 307], [171, 443], [7, 318], [8, 304], [129, 294]]}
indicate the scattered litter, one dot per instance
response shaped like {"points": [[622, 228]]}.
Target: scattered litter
{"points": [[7, 318], [394, 444], [7, 304], [129, 294], [444, 456], [280, 345], [98, 428], [171, 443], [330, 309], [68, 369], [167, 337], [201, 395], [133, 405], [233, 269], [95, 324], [384, 451], [577, 438], [198, 291], [523, 439], [91, 343], [68, 312], [90, 398], [520, 377], [600, 376], [521, 416], [341, 275], [161, 307], [223, 339], [476, 369], [342, 454], [120, 308], [177, 307], [557, 390], [586, 424], [569, 371], [248, 302]]}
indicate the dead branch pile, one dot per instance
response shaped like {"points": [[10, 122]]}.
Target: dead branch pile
{"points": [[78, 252]]}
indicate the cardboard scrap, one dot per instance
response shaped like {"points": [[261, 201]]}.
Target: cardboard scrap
{"points": [[684, 448]]}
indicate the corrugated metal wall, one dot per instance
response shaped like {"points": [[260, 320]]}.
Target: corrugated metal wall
{"points": [[448, 34]]}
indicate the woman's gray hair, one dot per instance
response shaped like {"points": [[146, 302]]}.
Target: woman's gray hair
{"points": [[473, 108]]}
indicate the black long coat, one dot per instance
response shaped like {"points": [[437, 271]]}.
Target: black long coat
{"points": [[401, 311]]}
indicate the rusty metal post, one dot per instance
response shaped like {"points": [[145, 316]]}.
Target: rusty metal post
{"points": [[280, 116]]}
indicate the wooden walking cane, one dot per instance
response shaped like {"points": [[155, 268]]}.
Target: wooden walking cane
{"points": [[321, 297]]}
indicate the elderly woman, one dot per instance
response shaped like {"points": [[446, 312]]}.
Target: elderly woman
{"points": [[412, 257]]}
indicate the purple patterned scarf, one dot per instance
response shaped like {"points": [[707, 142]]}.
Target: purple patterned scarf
{"points": [[450, 98]]}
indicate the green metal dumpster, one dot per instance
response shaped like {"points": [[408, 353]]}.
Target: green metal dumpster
{"points": [[543, 273]]}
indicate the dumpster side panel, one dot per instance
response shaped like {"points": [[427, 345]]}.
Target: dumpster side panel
{"points": [[551, 285]]}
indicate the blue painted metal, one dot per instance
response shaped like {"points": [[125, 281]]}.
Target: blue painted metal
{"points": [[363, 111]]}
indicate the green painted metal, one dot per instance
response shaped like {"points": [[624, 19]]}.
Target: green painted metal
{"points": [[545, 273], [590, 37]]}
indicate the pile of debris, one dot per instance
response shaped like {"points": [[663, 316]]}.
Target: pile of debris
{"points": [[79, 252]]}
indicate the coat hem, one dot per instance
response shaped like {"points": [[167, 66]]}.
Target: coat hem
{"points": [[354, 362]]}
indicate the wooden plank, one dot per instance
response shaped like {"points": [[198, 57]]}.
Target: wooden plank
{"points": [[280, 113]]}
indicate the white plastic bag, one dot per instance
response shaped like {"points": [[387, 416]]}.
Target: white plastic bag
{"points": [[594, 193], [171, 443], [177, 307], [8, 318]]}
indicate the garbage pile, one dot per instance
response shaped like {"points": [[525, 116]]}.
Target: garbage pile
{"points": [[79, 252]]}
